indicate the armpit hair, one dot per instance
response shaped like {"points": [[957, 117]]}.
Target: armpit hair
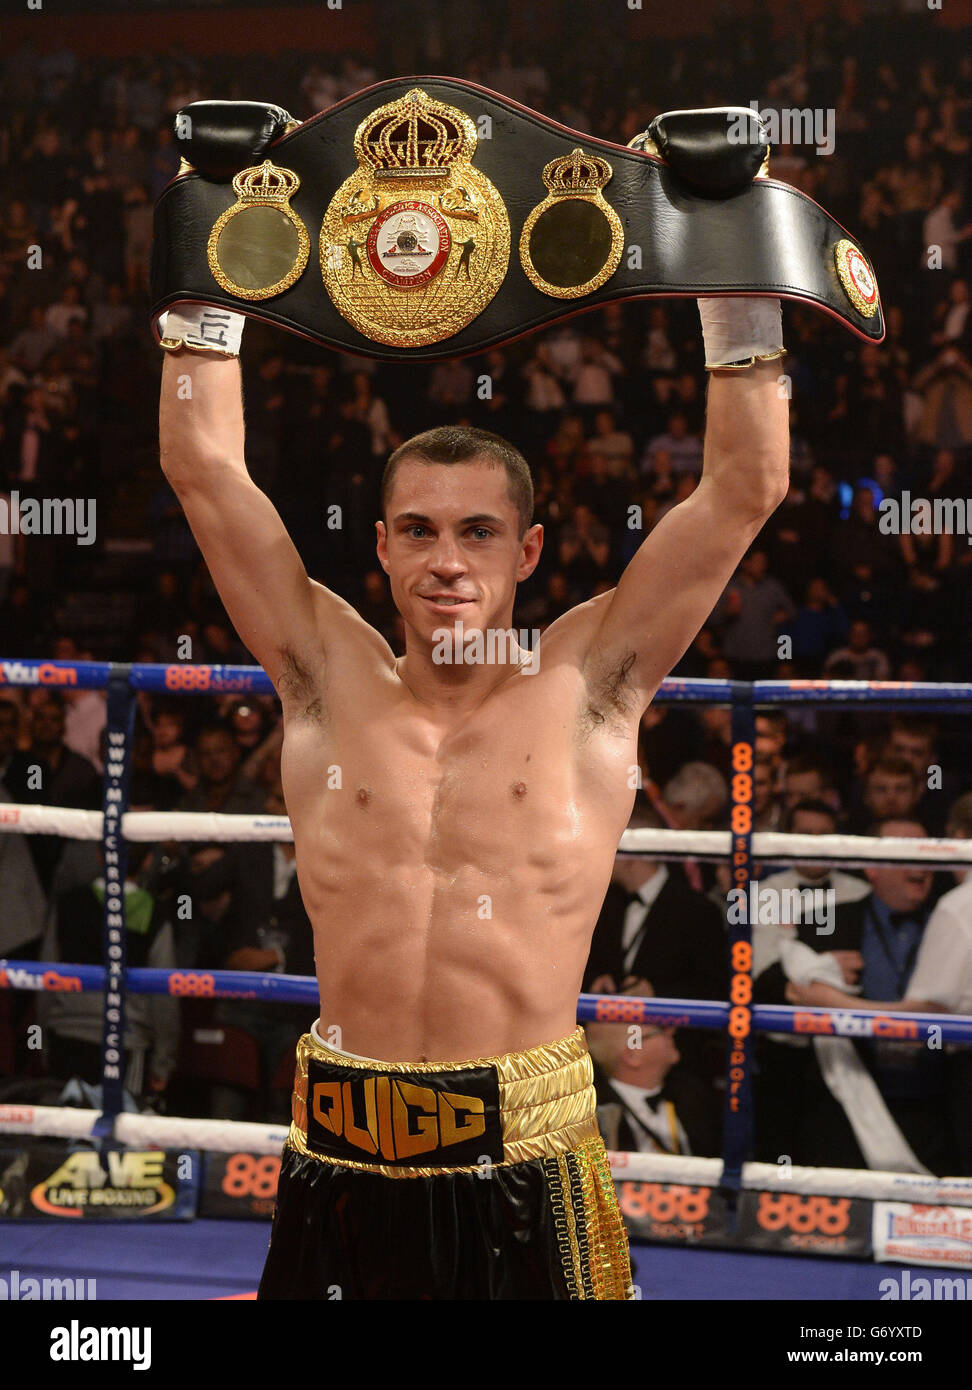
{"points": [[609, 689], [297, 686]]}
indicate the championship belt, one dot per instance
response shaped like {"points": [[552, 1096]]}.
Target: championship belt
{"points": [[428, 217]]}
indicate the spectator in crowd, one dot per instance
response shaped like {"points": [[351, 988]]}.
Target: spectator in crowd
{"points": [[891, 788], [860, 660], [818, 627], [593, 379], [221, 785], [646, 1102], [808, 777], [634, 943], [751, 612], [767, 808], [614, 445], [877, 1103], [682, 449], [73, 1023], [264, 928], [940, 983], [172, 759], [697, 796], [49, 772], [585, 550]]}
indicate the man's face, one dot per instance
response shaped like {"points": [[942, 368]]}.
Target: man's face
{"points": [[890, 794], [218, 757], [755, 564], [48, 722], [168, 730], [859, 637], [769, 739], [658, 1052], [914, 748], [903, 890], [762, 787], [801, 786], [451, 547]]}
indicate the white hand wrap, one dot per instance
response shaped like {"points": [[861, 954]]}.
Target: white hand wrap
{"points": [[203, 328], [740, 330]]}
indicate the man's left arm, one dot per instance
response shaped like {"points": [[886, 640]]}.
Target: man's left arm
{"points": [[680, 570]]}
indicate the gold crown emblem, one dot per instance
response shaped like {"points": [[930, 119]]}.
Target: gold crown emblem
{"points": [[577, 173], [414, 137], [265, 183]]}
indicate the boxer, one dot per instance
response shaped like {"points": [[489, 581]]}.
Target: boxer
{"points": [[456, 824]]}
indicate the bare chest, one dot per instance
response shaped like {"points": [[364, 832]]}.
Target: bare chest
{"points": [[526, 767]]}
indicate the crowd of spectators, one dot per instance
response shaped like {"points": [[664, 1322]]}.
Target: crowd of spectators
{"points": [[609, 411]]}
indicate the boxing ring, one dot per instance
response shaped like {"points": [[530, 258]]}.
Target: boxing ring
{"points": [[813, 1208]]}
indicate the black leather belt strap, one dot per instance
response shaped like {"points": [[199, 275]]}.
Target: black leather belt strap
{"points": [[611, 223]]}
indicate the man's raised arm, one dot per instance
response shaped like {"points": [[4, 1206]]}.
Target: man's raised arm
{"points": [[253, 562], [679, 571]]}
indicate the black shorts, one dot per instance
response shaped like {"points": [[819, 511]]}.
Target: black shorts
{"points": [[477, 1180]]}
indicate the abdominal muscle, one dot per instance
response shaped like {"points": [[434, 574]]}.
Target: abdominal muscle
{"points": [[429, 969]]}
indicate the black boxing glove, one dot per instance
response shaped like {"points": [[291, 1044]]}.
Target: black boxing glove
{"points": [[716, 150], [219, 138]]}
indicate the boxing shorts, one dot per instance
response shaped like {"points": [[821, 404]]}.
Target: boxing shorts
{"points": [[485, 1179]]}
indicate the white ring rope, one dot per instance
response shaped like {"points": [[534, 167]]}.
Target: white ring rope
{"points": [[233, 1136], [774, 845]]}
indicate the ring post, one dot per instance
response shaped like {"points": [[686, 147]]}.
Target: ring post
{"points": [[118, 751], [737, 1139]]}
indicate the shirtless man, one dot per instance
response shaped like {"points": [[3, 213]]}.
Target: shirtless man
{"points": [[456, 826]]}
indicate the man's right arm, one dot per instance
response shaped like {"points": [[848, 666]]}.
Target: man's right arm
{"points": [[254, 564]]}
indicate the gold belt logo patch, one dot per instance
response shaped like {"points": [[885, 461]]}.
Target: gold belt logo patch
{"points": [[395, 1119]]}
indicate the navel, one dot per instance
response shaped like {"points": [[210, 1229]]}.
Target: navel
{"points": [[364, 796], [519, 790]]}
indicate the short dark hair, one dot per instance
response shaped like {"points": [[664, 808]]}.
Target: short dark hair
{"points": [[802, 763], [214, 726], [920, 726], [893, 766], [461, 444]]}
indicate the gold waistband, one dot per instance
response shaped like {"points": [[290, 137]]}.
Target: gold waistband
{"points": [[546, 1099]]}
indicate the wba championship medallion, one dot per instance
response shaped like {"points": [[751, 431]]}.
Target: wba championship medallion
{"points": [[259, 247], [572, 242], [416, 242]]}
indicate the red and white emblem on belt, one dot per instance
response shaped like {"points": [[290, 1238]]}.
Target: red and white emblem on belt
{"points": [[408, 244], [860, 274], [857, 277]]}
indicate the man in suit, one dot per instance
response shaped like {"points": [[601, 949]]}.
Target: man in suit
{"points": [[656, 935], [885, 928], [264, 928], [656, 931], [49, 772], [646, 1101]]}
